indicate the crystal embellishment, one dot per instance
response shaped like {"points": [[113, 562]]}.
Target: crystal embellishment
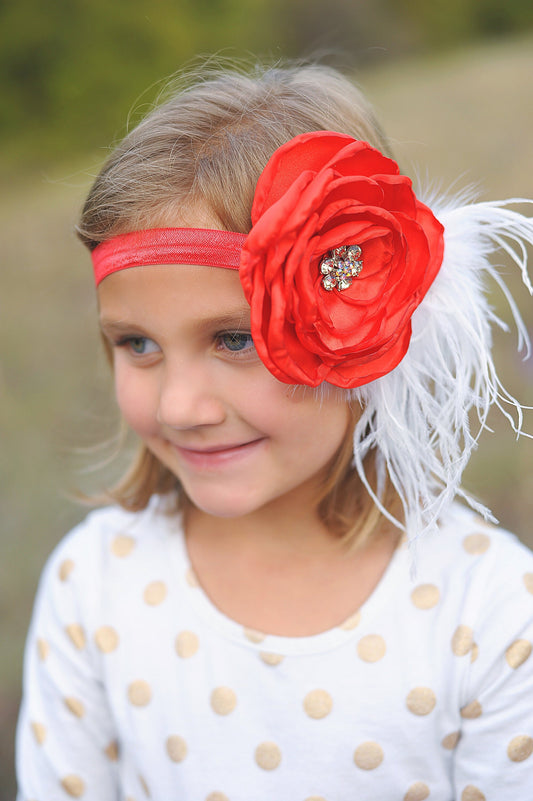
{"points": [[340, 266]]}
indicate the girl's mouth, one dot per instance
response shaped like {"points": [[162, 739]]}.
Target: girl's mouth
{"points": [[218, 455]]}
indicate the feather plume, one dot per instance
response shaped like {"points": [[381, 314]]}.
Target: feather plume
{"points": [[418, 418]]}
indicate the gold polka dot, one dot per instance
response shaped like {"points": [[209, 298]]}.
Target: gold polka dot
{"points": [[145, 787], [75, 706], [368, 756], [271, 659], [421, 701], [223, 700], [139, 693], [471, 793], [130, 798], [371, 648], [76, 635], [65, 569], [528, 581], [155, 593], [471, 710], [352, 622], [318, 704], [520, 748], [106, 639], [122, 545], [476, 543], [217, 797], [253, 635], [190, 578], [186, 644], [176, 748], [451, 740], [268, 756], [418, 791], [425, 596], [462, 640], [73, 786], [43, 649], [112, 751], [474, 653], [518, 652], [315, 798], [39, 732]]}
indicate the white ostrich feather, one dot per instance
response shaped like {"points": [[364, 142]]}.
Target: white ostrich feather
{"points": [[418, 417]]}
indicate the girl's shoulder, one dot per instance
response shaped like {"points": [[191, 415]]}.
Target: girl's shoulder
{"points": [[110, 522], [478, 567], [112, 536], [109, 559], [466, 542]]}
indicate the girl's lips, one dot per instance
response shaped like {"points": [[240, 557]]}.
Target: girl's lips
{"points": [[217, 456]]}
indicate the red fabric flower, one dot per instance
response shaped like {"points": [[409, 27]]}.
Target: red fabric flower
{"points": [[320, 191]]}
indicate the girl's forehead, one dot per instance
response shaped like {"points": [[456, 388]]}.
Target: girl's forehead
{"points": [[192, 291]]}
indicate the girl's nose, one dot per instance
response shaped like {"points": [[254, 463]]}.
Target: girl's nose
{"points": [[188, 399]]}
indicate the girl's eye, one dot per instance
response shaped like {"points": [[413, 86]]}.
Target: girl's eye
{"points": [[140, 346], [236, 342]]}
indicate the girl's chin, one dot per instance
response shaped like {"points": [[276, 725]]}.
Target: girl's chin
{"points": [[232, 503], [225, 511]]}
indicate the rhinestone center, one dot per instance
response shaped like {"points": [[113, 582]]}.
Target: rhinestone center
{"points": [[340, 266]]}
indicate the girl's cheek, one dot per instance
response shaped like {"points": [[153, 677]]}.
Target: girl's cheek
{"points": [[137, 402]]}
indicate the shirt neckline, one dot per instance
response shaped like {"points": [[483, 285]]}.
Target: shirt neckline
{"points": [[360, 622]]}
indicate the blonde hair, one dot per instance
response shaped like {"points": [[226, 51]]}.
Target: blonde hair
{"points": [[207, 145]]}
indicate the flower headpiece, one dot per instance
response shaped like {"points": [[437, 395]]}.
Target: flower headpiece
{"points": [[353, 281], [339, 256], [318, 193]]}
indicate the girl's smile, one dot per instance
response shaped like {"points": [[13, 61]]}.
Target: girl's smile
{"points": [[218, 456], [190, 383]]}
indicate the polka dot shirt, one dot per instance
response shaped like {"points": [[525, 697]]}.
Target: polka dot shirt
{"points": [[136, 687]]}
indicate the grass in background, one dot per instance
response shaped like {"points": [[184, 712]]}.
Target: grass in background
{"points": [[465, 118]]}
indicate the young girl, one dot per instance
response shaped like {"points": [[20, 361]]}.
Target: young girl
{"points": [[297, 341]]}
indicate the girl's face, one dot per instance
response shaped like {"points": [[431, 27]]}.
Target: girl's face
{"points": [[189, 382]]}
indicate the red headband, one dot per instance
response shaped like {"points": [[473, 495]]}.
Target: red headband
{"points": [[202, 246], [340, 254]]}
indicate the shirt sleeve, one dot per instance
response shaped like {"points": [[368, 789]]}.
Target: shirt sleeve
{"points": [[66, 746], [493, 758]]}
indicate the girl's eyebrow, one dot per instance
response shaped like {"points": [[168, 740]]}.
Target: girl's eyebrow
{"points": [[236, 319], [117, 326], [232, 319]]}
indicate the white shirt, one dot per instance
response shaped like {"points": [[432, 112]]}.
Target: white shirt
{"points": [[136, 687]]}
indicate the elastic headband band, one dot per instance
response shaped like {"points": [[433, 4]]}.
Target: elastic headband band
{"points": [[203, 246]]}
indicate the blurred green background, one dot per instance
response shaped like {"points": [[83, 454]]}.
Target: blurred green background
{"points": [[452, 84]]}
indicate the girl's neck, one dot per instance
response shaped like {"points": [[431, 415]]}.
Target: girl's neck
{"points": [[285, 529], [282, 573]]}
